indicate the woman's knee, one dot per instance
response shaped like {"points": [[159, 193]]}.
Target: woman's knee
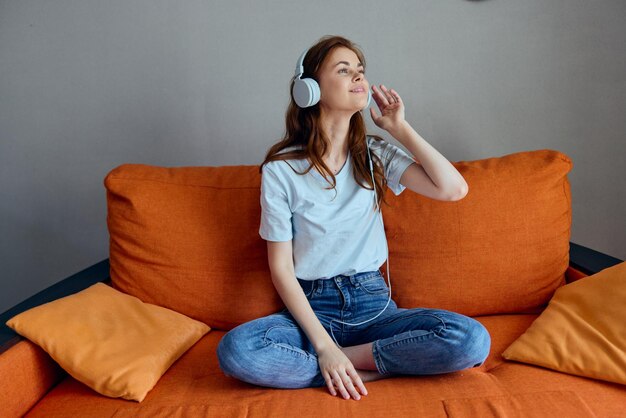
{"points": [[480, 343], [225, 353], [470, 345], [477, 344], [234, 352], [243, 353]]}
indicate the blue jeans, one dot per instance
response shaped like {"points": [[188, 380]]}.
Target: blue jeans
{"points": [[273, 351]]}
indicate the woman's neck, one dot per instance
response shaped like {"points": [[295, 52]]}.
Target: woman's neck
{"points": [[336, 129]]}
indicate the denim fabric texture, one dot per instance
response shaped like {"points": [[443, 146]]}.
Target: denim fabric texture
{"points": [[273, 351]]}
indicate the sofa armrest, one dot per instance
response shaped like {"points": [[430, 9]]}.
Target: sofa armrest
{"points": [[99, 272], [589, 261]]}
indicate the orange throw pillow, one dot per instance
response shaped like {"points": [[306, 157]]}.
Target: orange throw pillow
{"points": [[112, 342], [583, 329]]}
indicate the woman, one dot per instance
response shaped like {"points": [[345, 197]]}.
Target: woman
{"points": [[325, 244]]}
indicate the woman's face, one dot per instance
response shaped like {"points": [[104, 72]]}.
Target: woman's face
{"points": [[342, 82]]}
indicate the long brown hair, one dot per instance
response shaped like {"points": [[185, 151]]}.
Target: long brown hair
{"points": [[304, 130]]}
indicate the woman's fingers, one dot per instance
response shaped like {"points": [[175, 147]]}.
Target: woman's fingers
{"points": [[373, 114], [347, 381], [388, 95], [357, 379], [339, 384], [339, 374], [392, 96], [343, 382], [396, 95], [329, 383], [380, 97], [386, 98]]}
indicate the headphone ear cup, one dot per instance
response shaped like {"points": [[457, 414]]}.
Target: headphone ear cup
{"points": [[316, 93], [306, 92], [369, 98]]}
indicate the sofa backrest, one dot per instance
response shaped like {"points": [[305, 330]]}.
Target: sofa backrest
{"points": [[186, 238], [503, 248]]}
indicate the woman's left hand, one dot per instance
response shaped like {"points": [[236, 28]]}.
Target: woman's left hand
{"points": [[391, 108]]}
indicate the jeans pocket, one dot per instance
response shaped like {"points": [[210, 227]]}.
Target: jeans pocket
{"points": [[374, 285], [308, 287]]}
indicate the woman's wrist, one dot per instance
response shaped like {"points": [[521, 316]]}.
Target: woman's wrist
{"points": [[400, 130], [323, 343]]}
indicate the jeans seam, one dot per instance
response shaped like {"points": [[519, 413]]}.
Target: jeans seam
{"points": [[293, 350], [318, 288], [411, 316], [368, 276], [376, 345], [396, 343], [378, 361], [287, 347]]}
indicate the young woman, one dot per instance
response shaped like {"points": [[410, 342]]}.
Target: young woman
{"points": [[326, 243]]}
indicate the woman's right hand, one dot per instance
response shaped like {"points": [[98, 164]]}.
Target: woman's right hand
{"points": [[339, 373]]}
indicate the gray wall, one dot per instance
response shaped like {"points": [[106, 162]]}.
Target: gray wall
{"points": [[88, 85]]}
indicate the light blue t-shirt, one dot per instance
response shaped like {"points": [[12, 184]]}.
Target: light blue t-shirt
{"points": [[333, 231]]}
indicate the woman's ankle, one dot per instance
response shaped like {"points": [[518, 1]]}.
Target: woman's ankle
{"points": [[361, 356], [372, 375]]}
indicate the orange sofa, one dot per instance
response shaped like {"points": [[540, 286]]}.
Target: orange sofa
{"points": [[186, 238]]}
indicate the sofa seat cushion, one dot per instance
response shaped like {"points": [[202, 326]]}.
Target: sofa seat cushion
{"points": [[195, 386], [195, 381], [559, 403], [605, 399]]}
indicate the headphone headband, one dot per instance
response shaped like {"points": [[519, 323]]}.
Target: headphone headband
{"points": [[300, 64]]}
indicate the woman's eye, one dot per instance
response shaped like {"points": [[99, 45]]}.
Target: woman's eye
{"points": [[346, 70]]}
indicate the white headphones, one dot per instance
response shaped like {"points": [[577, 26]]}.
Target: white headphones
{"points": [[306, 91]]}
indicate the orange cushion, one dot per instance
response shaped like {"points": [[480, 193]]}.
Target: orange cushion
{"points": [[504, 248], [583, 329], [194, 386], [187, 238], [112, 342], [555, 403]]}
